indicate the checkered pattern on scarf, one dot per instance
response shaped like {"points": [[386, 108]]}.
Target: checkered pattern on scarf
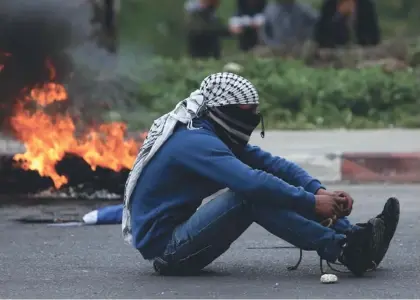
{"points": [[218, 89]]}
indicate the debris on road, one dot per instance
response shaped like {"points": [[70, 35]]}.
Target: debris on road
{"points": [[329, 278]]}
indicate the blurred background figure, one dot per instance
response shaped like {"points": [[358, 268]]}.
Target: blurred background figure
{"points": [[347, 21], [204, 29], [247, 21], [104, 18], [288, 22]]}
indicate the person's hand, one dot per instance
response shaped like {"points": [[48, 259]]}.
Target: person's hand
{"points": [[258, 21], [347, 208], [329, 206], [234, 29]]}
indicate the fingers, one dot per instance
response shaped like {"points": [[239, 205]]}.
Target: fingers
{"points": [[336, 210], [346, 212], [341, 200], [350, 201]]}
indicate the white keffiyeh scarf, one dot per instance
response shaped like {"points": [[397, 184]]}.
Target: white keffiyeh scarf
{"points": [[218, 89]]}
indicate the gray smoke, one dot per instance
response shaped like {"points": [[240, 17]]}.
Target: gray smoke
{"points": [[96, 77]]}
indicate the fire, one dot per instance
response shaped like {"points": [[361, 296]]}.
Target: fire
{"points": [[48, 138], [48, 93]]}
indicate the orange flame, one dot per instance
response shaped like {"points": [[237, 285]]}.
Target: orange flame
{"points": [[47, 139], [48, 93]]}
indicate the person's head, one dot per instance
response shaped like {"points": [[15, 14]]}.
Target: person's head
{"points": [[254, 2], [232, 106], [251, 6], [346, 7], [212, 4], [286, 1]]}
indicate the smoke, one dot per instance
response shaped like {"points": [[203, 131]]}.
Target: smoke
{"points": [[96, 77], [31, 33], [60, 31]]}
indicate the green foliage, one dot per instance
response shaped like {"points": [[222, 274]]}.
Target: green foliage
{"points": [[159, 25], [156, 25], [292, 95], [296, 96]]}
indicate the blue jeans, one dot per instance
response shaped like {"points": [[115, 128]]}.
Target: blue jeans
{"points": [[210, 231]]}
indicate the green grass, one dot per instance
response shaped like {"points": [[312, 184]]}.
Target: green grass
{"points": [[159, 24]]}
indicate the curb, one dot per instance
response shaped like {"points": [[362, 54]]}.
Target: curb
{"points": [[369, 167], [353, 167]]}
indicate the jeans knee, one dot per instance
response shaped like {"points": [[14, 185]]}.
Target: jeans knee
{"points": [[235, 198], [249, 203], [242, 203]]}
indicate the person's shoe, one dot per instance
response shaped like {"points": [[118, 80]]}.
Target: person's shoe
{"points": [[391, 216], [161, 266], [361, 246]]}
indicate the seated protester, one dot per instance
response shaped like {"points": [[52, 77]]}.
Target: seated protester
{"points": [[204, 29], [339, 18], [288, 22], [200, 148], [247, 22]]}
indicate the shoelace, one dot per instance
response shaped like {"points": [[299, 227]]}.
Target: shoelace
{"points": [[327, 223]]}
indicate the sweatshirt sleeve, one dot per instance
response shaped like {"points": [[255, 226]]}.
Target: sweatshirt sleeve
{"points": [[209, 157], [280, 167]]}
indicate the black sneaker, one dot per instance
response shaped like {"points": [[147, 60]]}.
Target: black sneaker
{"points": [[391, 216], [361, 247], [162, 267]]}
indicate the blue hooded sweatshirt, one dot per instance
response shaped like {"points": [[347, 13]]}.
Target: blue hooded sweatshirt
{"points": [[192, 165]]}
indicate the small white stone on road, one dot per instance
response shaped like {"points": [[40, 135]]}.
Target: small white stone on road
{"points": [[329, 278]]}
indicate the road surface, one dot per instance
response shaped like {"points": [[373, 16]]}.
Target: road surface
{"points": [[38, 261]]}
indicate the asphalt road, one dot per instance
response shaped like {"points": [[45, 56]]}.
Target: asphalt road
{"points": [[37, 261]]}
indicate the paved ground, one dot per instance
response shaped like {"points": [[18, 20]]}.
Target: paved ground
{"points": [[37, 261], [333, 141]]}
